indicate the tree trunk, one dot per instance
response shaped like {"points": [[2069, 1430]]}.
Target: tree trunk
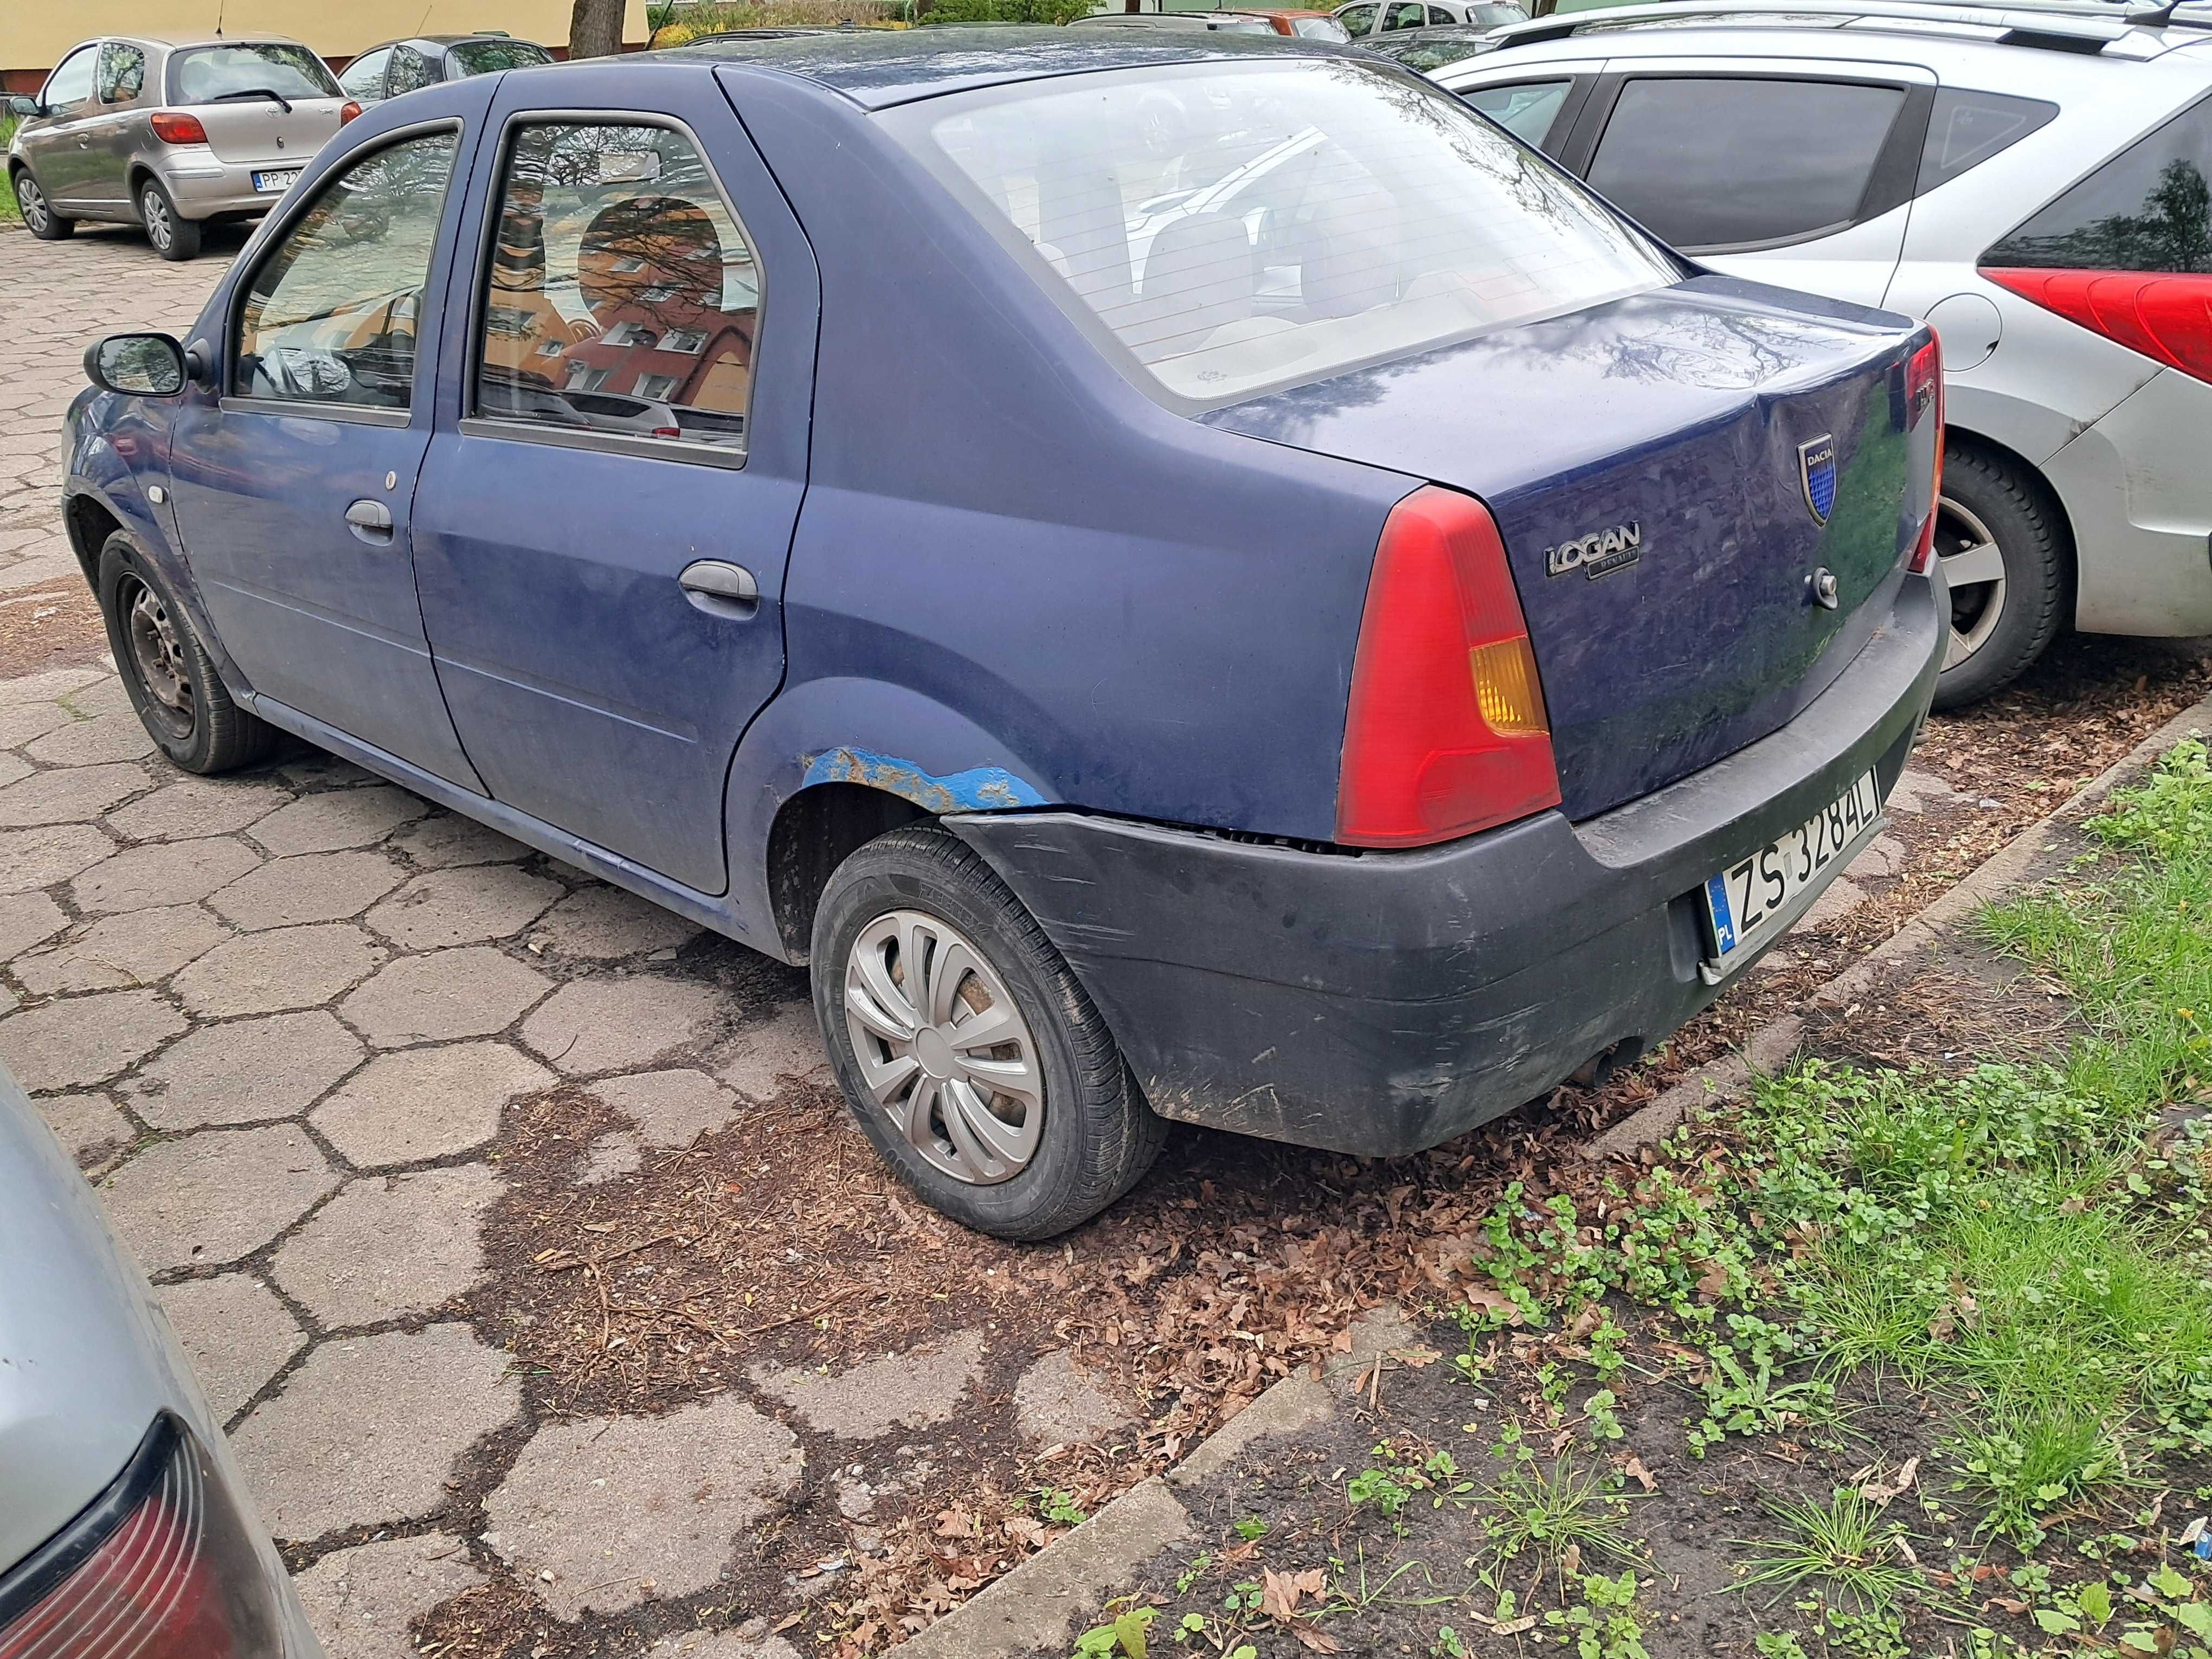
{"points": [[595, 29]]}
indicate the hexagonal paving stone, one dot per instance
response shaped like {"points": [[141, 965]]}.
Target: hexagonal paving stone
{"points": [[391, 1245], [360, 1600], [321, 887], [44, 688], [606, 1506], [368, 1430], [88, 1127], [789, 1045], [68, 794], [337, 818], [282, 968], [246, 1070], [603, 923], [21, 722], [234, 1331], [28, 919], [135, 948], [164, 874], [88, 742], [1058, 1403], [12, 769], [84, 1039], [38, 858], [462, 906], [471, 991], [197, 806], [597, 1025], [427, 1102], [216, 1195], [913, 1390], [447, 839], [670, 1109]]}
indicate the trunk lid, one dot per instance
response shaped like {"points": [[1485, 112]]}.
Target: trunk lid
{"points": [[1643, 461], [256, 130]]}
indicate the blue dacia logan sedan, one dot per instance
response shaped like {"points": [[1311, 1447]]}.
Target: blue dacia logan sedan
{"points": [[1184, 579]]}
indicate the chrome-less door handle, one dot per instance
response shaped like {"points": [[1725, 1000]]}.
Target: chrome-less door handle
{"points": [[371, 521], [721, 589]]}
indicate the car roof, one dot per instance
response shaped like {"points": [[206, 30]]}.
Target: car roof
{"points": [[184, 42], [1841, 27], [877, 69]]}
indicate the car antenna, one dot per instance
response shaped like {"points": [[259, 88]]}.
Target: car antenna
{"points": [[2157, 17]]}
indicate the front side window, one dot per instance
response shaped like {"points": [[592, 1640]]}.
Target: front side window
{"points": [[332, 315], [1304, 217], [364, 76], [247, 69], [70, 85], [1405, 14], [1527, 109], [1356, 20], [2148, 209], [122, 72], [1319, 28], [616, 242], [1714, 163], [411, 70]]}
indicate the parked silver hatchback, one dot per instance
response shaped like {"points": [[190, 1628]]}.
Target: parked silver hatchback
{"points": [[170, 134]]}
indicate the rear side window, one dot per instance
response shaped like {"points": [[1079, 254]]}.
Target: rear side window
{"points": [[624, 297], [122, 73], [1527, 109], [489, 56], [1965, 129], [2148, 208], [1717, 163], [207, 73], [1232, 228], [411, 70], [331, 314]]}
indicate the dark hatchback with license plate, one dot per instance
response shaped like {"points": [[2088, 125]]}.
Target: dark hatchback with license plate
{"points": [[1183, 579]]}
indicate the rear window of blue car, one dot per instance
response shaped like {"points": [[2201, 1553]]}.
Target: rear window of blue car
{"points": [[1236, 227]]}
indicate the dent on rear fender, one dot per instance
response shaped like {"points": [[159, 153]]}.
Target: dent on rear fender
{"points": [[978, 789]]}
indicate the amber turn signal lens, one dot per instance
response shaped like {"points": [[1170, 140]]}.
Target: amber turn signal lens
{"points": [[1505, 688]]}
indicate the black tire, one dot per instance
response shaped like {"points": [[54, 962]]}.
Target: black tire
{"points": [[174, 237], [195, 722], [1098, 1136], [39, 216], [1985, 492]]}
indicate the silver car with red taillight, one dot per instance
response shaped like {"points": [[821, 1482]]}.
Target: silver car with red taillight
{"points": [[124, 1527], [170, 134]]}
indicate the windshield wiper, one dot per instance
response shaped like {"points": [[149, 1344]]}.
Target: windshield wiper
{"points": [[282, 102]]}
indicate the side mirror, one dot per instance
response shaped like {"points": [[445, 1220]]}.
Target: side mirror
{"points": [[139, 365], [23, 105]]}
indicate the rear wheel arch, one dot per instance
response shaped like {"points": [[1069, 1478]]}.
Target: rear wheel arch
{"points": [[1992, 491], [2027, 472], [814, 831]]}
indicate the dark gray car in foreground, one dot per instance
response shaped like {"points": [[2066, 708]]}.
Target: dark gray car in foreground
{"points": [[123, 1526]]}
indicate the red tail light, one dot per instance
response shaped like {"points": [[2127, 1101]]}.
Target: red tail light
{"points": [[1923, 397], [1446, 733], [173, 127], [2166, 316], [161, 1564], [348, 110]]}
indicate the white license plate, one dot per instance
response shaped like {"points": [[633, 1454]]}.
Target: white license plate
{"points": [[1756, 898], [276, 183]]}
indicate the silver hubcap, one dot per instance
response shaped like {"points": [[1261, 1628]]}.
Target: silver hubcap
{"points": [[158, 654], [156, 214], [1975, 570], [33, 202], [945, 1054]]}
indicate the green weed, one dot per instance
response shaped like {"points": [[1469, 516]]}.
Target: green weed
{"points": [[1846, 1549]]}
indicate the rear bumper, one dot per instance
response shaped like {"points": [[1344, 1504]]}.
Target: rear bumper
{"points": [[204, 187], [1379, 1003]]}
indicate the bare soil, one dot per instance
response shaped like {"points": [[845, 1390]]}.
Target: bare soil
{"points": [[54, 625]]}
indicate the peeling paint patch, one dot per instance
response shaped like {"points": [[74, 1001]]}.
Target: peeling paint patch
{"points": [[979, 789]]}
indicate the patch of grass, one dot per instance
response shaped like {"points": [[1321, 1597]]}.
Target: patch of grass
{"points": [[1846, 1549], [1549, 1517], [9, 213]]}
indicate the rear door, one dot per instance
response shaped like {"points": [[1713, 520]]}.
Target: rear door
{"points": [[1795, 173], [294, 488], [605, 516]]}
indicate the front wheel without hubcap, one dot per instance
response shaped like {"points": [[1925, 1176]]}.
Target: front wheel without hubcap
{"points": [[181, 701], [968, 1051]]}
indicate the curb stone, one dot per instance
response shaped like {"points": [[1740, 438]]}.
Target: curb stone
{"points": [[1041, 1605]]}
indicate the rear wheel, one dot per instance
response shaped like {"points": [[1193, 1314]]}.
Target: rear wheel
{"points": [[171, 681], [173, 236], [39, 216], [2006, 556], [966, 1048]]}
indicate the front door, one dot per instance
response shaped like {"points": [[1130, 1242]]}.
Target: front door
{"points": [[295, 487], [601, 536], [122, 103], [59, 146]]}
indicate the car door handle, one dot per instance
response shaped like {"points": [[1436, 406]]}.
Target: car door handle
{"points": [[721, 589], [370, 521]]}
